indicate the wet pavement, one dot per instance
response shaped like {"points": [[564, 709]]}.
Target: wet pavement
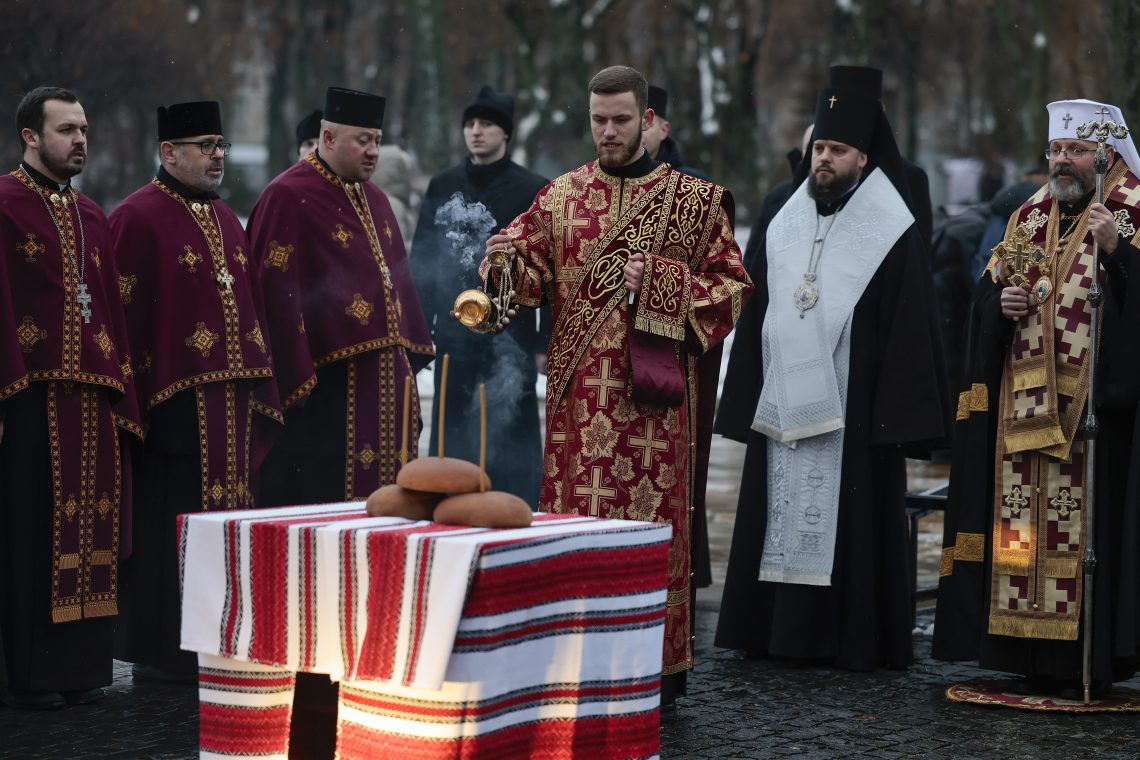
{"points": [[736, 707]]}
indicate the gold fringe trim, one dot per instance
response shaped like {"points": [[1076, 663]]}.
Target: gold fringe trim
{"points": [[673, 332], [67, 614], [1029, 378], [1061, 567], [1034, 439], [1011, 562], [946, 568], [68, 561], [100, 609], [1032, 627]]}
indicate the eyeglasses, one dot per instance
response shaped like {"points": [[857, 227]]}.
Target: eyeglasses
{"points": [[1073, 154], [207, 148]]}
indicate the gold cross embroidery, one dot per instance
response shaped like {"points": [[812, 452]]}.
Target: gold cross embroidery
{"points": [[648, 443], [190, 259], [202, 339], [571, 223], [29, 334], [126, 286], [103, 341], [359, 308], [278, 257], [603, 382], [31, 248], [367, 456], [255, 337], [342, 235], [595, 490]]}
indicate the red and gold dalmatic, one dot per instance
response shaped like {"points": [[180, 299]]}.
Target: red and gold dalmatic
{"points": [[1039, 524], [61, 323], [622, 390]]}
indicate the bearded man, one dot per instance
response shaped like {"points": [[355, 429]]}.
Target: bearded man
{"points": [[202, 370], [835, 374], [644, 279], [1012, 588], [65, 392]]}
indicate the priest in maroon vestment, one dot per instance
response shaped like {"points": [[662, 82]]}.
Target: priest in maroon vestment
{"points": [[65, 393], [202, 371], [644, 278], [345, 323]]}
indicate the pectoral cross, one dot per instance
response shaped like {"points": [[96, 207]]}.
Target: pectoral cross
{"points": [[1020, 254], [226, 280], [83, 298]]}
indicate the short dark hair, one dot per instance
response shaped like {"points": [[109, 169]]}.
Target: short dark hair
{"points": [[30, 112], [615, 80]]}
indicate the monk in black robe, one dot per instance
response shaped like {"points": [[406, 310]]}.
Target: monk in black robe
{"points": [[853, 610]]}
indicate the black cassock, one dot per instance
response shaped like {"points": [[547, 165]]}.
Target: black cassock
{"points": [[960, 631], [505, 363], [897, 405]]}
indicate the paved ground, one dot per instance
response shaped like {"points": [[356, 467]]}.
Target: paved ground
{"points": [[736, 707]]}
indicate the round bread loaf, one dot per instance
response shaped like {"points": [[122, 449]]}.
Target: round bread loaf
{"points": [[490, 509], [441, 475], [397, 501]]}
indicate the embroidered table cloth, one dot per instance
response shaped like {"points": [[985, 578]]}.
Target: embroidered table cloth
{"points": [[448, 641]]}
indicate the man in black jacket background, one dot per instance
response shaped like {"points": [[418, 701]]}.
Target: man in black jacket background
{"points": [[462, 207]]}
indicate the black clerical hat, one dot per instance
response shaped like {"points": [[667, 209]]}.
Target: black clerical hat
{"points": [[495, 107], [846, 116], [659, 100], [354, 108], [862, 78], [202, 117], [309, 127]]}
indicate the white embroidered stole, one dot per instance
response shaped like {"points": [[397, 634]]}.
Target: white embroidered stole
{"points": [[803, 402]]}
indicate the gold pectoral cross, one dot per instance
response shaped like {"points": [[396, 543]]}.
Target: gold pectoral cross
{"points": [[1020, 255]]}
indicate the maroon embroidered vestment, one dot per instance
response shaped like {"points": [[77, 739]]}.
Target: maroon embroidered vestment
{"points": [[62, 323], [338, 288]]}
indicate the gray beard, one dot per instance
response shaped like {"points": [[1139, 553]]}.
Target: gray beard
{"points": [[1067, 189]]}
